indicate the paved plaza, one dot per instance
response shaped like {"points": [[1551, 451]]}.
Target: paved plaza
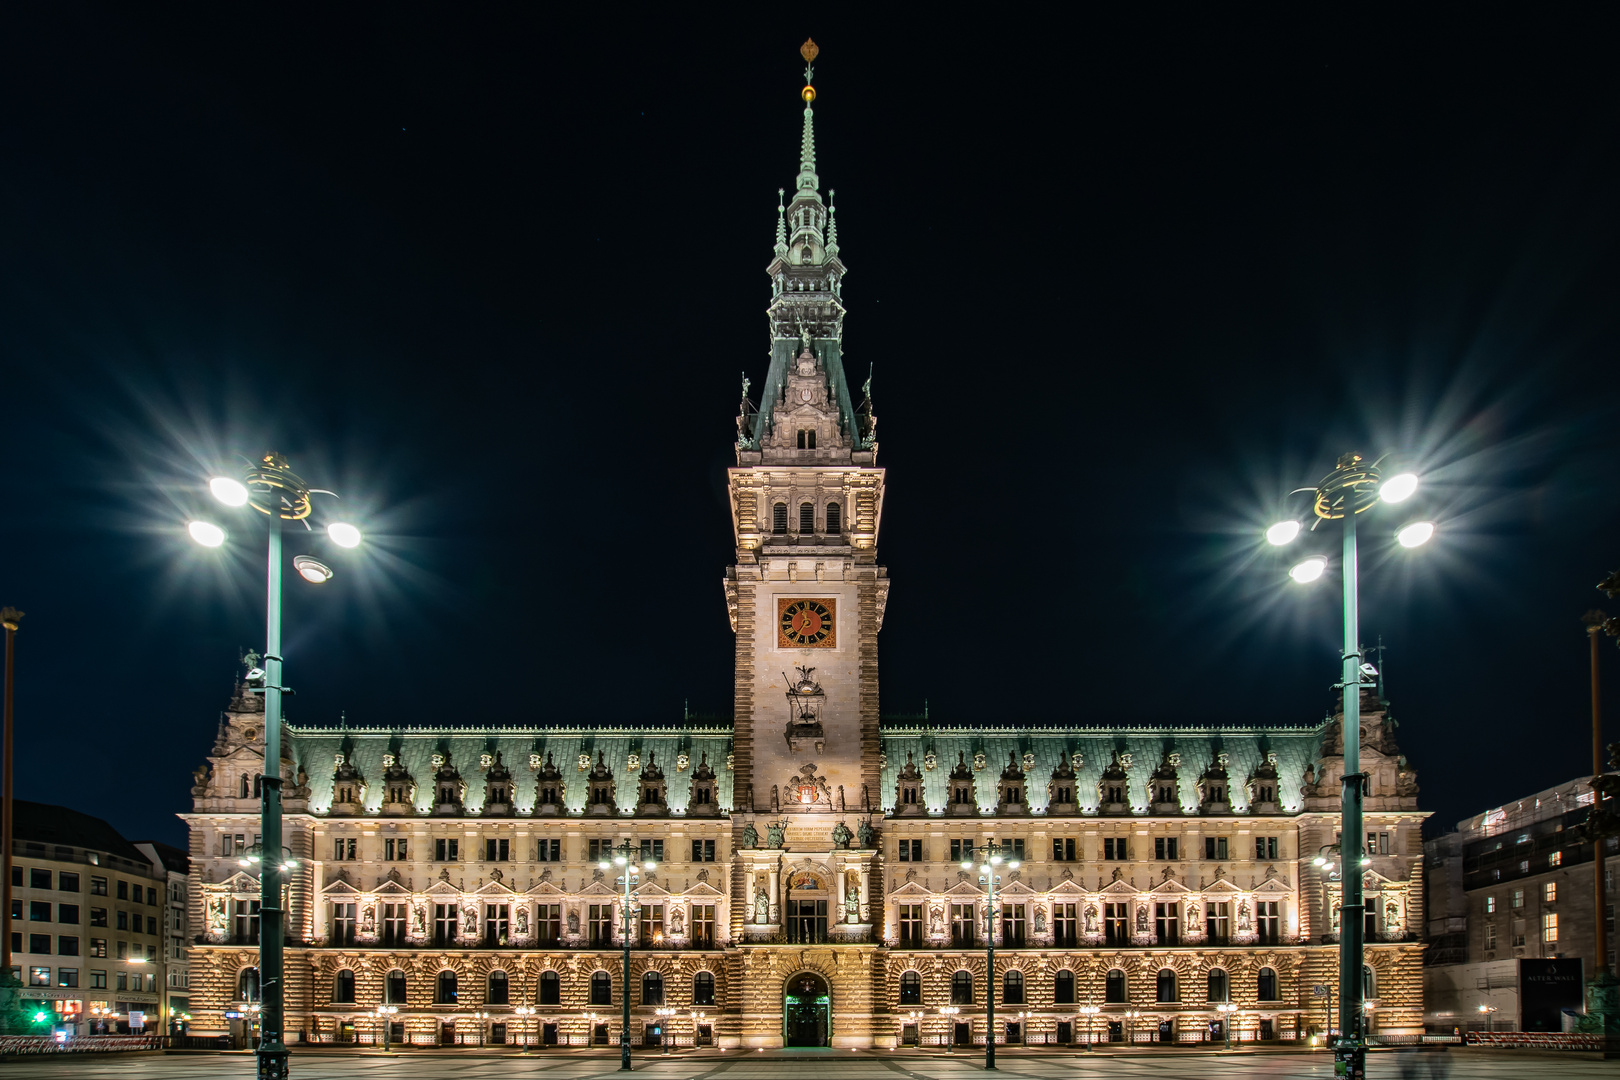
{"points": [[862, 1065]]}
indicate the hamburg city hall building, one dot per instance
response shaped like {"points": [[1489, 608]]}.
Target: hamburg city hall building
{"points": [[808, 886]]}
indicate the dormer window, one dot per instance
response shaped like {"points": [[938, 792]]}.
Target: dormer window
{"points": [[1266, 793], [1165, 794], [1063, 795], [1114, 793], [396, 794], [548, 794], [835, 520], [779, 519], [807, 518], [1217, 793], [908, 795], [345, 794], [497, 795], [807, 438]]}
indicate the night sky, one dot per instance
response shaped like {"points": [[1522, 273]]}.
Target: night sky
{"points": [[494, 277]]}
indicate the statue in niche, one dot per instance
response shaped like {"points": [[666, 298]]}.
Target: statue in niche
{"points": [[775, 831], [852, 902], [750, 836], [677, 922], [1192, 915], [841, 835], [762, 907], [936, 920], [368, 921], [216, 914], [573, 922], [840, 798], [1392, 914], [1243, 915], [1141, 919], [1040, 920], [776, 799], [865, 835], [1091, 918], [419, 920], [523, 920]]}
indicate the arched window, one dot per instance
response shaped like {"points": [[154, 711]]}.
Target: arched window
{"points": [[247, 792], [1012, 988], [1266, 985], [343, 988], [962, 988], [910, 988], [652, 988], [1063, 988], [550, 988], [835, 519], [446, 988], [1369, 982], [247, 985], [601, 988], [779, 519], [703, 988], [394, 988], [1114, 988], [1217, 986], [1166, 985], [496, 994], [807, 518]]}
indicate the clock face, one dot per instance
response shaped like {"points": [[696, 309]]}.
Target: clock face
{"points": [[805, 624]]}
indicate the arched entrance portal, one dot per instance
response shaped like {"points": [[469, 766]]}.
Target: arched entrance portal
{"points": [[807, 1012]]}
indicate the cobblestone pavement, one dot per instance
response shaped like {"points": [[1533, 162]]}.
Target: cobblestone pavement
{"points": [[864, 1065]]}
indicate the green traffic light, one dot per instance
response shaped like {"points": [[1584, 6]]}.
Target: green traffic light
{"points": [[39, 1018]]}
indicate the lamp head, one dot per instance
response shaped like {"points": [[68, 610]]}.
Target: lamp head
{"points": [[1415, 534], [1398, 488], [1309, 570], [1283, 532], [206, 533], [228, 491], [343, 534]]}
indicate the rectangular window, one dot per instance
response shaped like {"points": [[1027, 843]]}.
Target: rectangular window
{"points": [[67, 977], [98, 916], [652, 849], [1012, 849], [1012, 925], [1549, 928], [1166, 847], [703, 925], [445, 919], [67, 913], [345, 848], [1490, 935], [703, 851], [599, 918], [548, 923], [1518, 898], [151, 895], [39, 976], [343, 923], [498, 850], [396, 849], [123, 890], [1270, 921], [123, 921], [1065, 925], [497, 924], [67, 881], [957, 847], [1215, 847], [151, 925], [123, 950], [40, 911], [1490, 905], [393, 923], [67, 946], [98, 979], [1384, 845], [446, 850], [911, 925], [123, 982], [1114, 849], [39, 944], [98, 886], [1063, 849], [1265, 847], [911, 851], [1555, 858], [1167, 923], [39, 879], [652, 924], [1218, 922], [963, 924], [600, 850], [1116, 925], [1549, 892], [98, 947], [549, 850]]}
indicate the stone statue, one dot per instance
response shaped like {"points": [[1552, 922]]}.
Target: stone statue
{"points": [[841, 835], [523, 920], [1118, 874], [762, 907], [368, 921], [419, 921], [852, 903], [573, 922], [1091, 918], [1243, 915], [936, 920], [216, 914], [750, 836], [1141, 919], [677, 922], [774, 833], [865, 835], [1040, 920], [1192, 914]]}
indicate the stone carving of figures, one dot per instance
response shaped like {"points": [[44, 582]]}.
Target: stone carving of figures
{"points": [[1243, 915], [419, 920], [865, 835], [677, 922], [841, 835], [469, 919], [1141, 919], [774, 833], [523, 920], [852, 903], [936, 920], [750, 836], [1192, 914], [1091, 918], [1392, 914], [216, 913], [573, 922], [1040, 920], [762, 906], [368, 921]]}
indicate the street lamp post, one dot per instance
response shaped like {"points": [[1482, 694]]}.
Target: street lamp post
{"points": [[386, 1014], [1090, 1013], [523, 1011], [949, 1013], [273, 489], [1352, 488], [10, 618], [1226, 1009], [994, 855], [624, 858]]}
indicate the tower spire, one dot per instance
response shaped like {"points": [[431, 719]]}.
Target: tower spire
{"points": [[832, 226], [781, 223], [808, 181]]}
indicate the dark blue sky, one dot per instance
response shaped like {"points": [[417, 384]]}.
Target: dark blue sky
{"points": [[493, 276]]}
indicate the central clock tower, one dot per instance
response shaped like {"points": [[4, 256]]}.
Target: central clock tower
{"points": [[806, 595]]}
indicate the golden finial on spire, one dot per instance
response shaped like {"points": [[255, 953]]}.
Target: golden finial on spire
{"points": [[809, 51]]}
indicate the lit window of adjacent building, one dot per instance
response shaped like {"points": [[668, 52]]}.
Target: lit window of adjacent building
{"points": [[39, 976], [1549, 892], [1518, 898], [1490, 905], [1555, 859], [1549, 928]]}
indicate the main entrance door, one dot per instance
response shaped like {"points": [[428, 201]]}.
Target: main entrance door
{"points": [[807, 1012]]}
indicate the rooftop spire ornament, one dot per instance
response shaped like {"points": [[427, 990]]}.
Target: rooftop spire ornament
{"points": [[809, 51]]}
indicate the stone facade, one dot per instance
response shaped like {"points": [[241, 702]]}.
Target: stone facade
{"points": [[816, 894]]}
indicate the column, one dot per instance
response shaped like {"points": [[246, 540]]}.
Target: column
{"points": [[866, 892], [776, 898]]}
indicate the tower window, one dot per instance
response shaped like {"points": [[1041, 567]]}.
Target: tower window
{"points": [[835, 520], [807, 438], [807, 518], [779, 519]]}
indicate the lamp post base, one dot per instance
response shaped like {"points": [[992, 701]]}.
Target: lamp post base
{"points": [[272, 1061], [1350, 1059]]}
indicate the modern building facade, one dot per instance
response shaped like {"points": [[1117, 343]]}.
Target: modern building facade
{"points": [[176, 973], [1510, 885], [807, 887], [86, 921]]}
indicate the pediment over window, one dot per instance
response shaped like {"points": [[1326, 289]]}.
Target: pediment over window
{"points": [[1119, 888]]}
